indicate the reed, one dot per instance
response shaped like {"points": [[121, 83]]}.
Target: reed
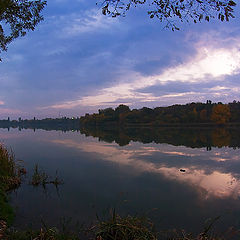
{"points": [[7, 162], [40, 177], [10, 178], [124, 228]]}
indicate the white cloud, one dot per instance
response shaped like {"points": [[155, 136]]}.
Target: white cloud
{"points": [[213, 63], [87, 22], [208, 63]]}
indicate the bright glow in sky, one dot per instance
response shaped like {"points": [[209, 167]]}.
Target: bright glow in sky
{"points": [[214, 63], [78, 61]]}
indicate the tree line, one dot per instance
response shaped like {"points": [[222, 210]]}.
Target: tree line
{"points": [[63, 123], [207, 114], [191, 113]]}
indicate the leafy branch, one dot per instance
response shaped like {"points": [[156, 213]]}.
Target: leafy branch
{"points": [[171, 11]]}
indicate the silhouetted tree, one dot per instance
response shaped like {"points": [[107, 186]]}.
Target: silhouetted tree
{"points": [[17, 17], [235, 111], [122, 109], [171, 10]]}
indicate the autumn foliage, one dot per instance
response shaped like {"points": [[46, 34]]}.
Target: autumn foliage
{"points": [[192, 113], [220, 114]]}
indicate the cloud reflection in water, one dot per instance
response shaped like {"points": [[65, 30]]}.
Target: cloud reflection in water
{"points": [[204, 171]]}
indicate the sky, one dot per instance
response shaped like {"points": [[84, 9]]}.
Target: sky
{"points": [[78, 61]]}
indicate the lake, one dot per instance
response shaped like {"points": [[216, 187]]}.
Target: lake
{"points": [[179, 178]]}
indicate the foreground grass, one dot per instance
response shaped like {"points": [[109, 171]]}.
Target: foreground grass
{"points": [[10, 172], [124, 228], [9, 179], [117, 228]]}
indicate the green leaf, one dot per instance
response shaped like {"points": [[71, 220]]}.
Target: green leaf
{"points": [[232, 3]]}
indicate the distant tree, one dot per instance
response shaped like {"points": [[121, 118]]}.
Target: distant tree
{"points": [[193, 115], [122, 109], [17, 17], [235, 111], [203, 115], [220, 113], [106, 112], [171, 11]]}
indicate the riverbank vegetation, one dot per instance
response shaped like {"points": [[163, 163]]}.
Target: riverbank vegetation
{"points": [[203, 114], [40, 177], [192, 114], [116, 227], [10, 178]]}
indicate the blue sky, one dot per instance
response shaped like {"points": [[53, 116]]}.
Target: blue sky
{"points": [[78, 60]]}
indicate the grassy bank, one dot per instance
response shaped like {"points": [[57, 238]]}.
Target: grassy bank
{"points": [[10, 178], [119, 228]]}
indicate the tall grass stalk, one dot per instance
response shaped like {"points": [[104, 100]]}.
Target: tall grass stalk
{"points": [[124, 228], [40, 177], [10, 171], [10, 178], [7, 162]]}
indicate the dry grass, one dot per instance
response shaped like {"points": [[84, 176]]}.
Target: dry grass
{"points": [[7, 162], [118, 228], [124, 228], [10, 171]]}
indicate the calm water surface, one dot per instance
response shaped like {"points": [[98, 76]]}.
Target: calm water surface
{"points": [[137, 178]]}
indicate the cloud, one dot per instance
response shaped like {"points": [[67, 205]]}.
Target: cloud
{"points": [[86, 22], [1, 102], [10, 111], [209, 64]]}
